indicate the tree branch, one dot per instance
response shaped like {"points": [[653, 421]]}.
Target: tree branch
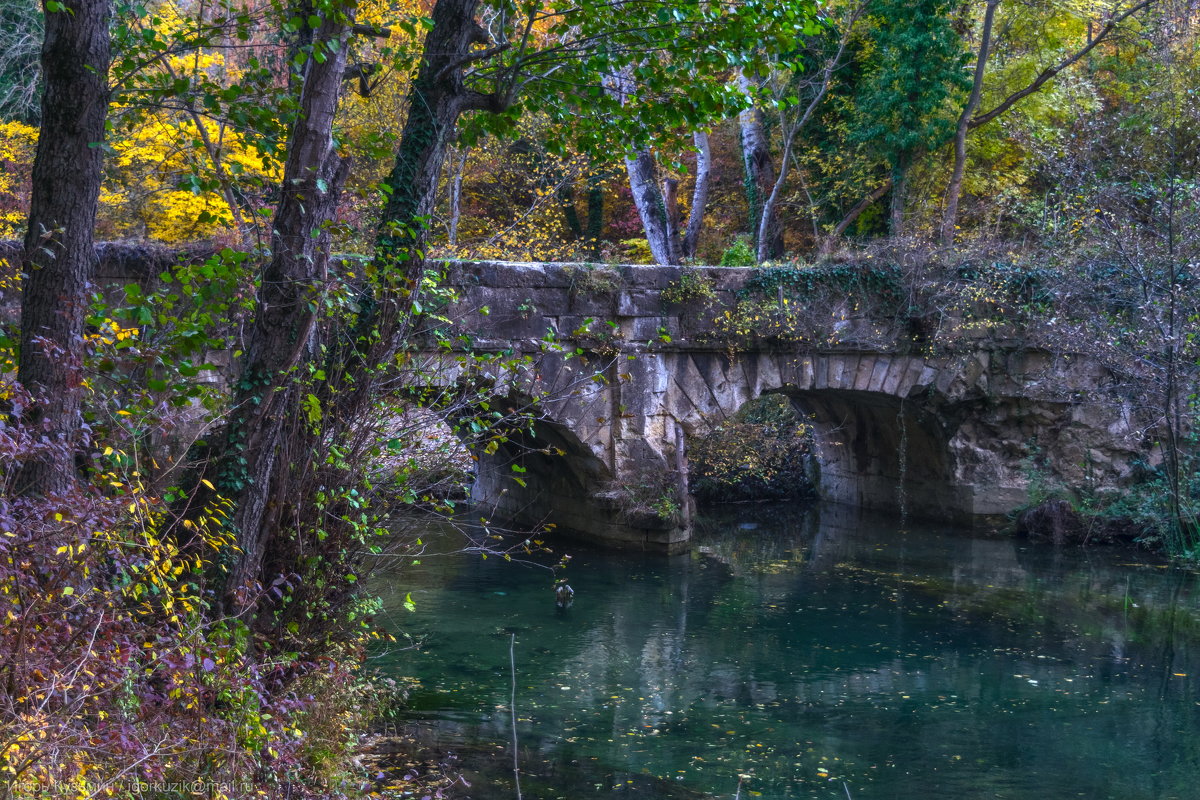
{"points": [[1050, 72]]}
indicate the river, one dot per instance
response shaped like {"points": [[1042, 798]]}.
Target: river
{"points": [[817, 653]]}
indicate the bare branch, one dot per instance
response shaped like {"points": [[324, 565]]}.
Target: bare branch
{"points": [[1048, 73]]}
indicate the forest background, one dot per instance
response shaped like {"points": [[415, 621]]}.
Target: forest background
{"points": [[1039, 157]]}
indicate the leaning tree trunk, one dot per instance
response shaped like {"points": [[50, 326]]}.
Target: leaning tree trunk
{"points": [[642, 169], [267, 447], [759, 174], [59, 258], [691, 238], [954, 189], [436, 100]]}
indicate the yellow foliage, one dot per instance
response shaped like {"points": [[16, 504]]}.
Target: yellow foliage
{"points": [[18, 142], [146, 191]]}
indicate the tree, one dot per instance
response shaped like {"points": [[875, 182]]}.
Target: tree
{"points": [[759, 170], [268, 442], [915, 70], [465, 67], [796, 101], [59, 258], [954, 190], [968, 120]]}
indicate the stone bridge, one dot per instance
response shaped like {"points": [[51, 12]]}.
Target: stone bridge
{"points": [[655, 354]]}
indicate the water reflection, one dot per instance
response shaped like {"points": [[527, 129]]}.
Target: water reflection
{"points": [[804, 651]]}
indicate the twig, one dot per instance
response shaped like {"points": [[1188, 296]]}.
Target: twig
{"points": [[512, 707], [847, 788]]}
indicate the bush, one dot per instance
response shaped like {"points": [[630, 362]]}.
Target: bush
{"points": [[763, 453], [739, 254]]}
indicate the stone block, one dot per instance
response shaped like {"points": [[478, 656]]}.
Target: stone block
{"points": [[862, 375]]}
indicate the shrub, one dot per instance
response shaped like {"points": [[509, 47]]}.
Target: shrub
{"points": [[739, 254], [691, 287], [762, 453]]}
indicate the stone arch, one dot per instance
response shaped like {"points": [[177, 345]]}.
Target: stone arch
{"points": [[879, 451], [559, 472], [561, 481], [884, 425]]}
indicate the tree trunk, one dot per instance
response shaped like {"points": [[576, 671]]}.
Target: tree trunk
{"points": [[954, 189], [691, 238], [59, 259], [269, 443], [595, 211], [759, 174], [436, 100], [642, 169], [670, 190], [456, 184], [651, 207], [566, 201], [853, 214]]}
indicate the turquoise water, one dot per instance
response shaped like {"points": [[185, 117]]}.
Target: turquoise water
{"points": [[814, 654]]}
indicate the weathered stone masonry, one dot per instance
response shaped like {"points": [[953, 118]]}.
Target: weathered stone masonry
{"points": [[951, 435]]}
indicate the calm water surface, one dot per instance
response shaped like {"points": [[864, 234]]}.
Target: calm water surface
{"points": [[817, 654]]}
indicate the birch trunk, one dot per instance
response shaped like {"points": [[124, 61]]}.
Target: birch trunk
{"points": [[691, 238], [759, 174]]}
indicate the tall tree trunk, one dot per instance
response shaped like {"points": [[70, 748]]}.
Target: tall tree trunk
{"points": [[59, 258], [759, 173], [436, 100], [595, 211], [651, 207], [269, 444], [691, 238], [456, 184], [954, 189]]}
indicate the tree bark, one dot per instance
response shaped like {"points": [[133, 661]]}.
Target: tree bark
{"points": [[954, 189], [436, 100], [691, 238], [269, 443], [595, 211], [456, 184], [59, 256], [642, 169], [759, 175], [670, 191], [651, 206]]}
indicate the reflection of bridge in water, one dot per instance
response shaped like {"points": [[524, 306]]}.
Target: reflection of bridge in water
{"points": [[828, 638]]}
